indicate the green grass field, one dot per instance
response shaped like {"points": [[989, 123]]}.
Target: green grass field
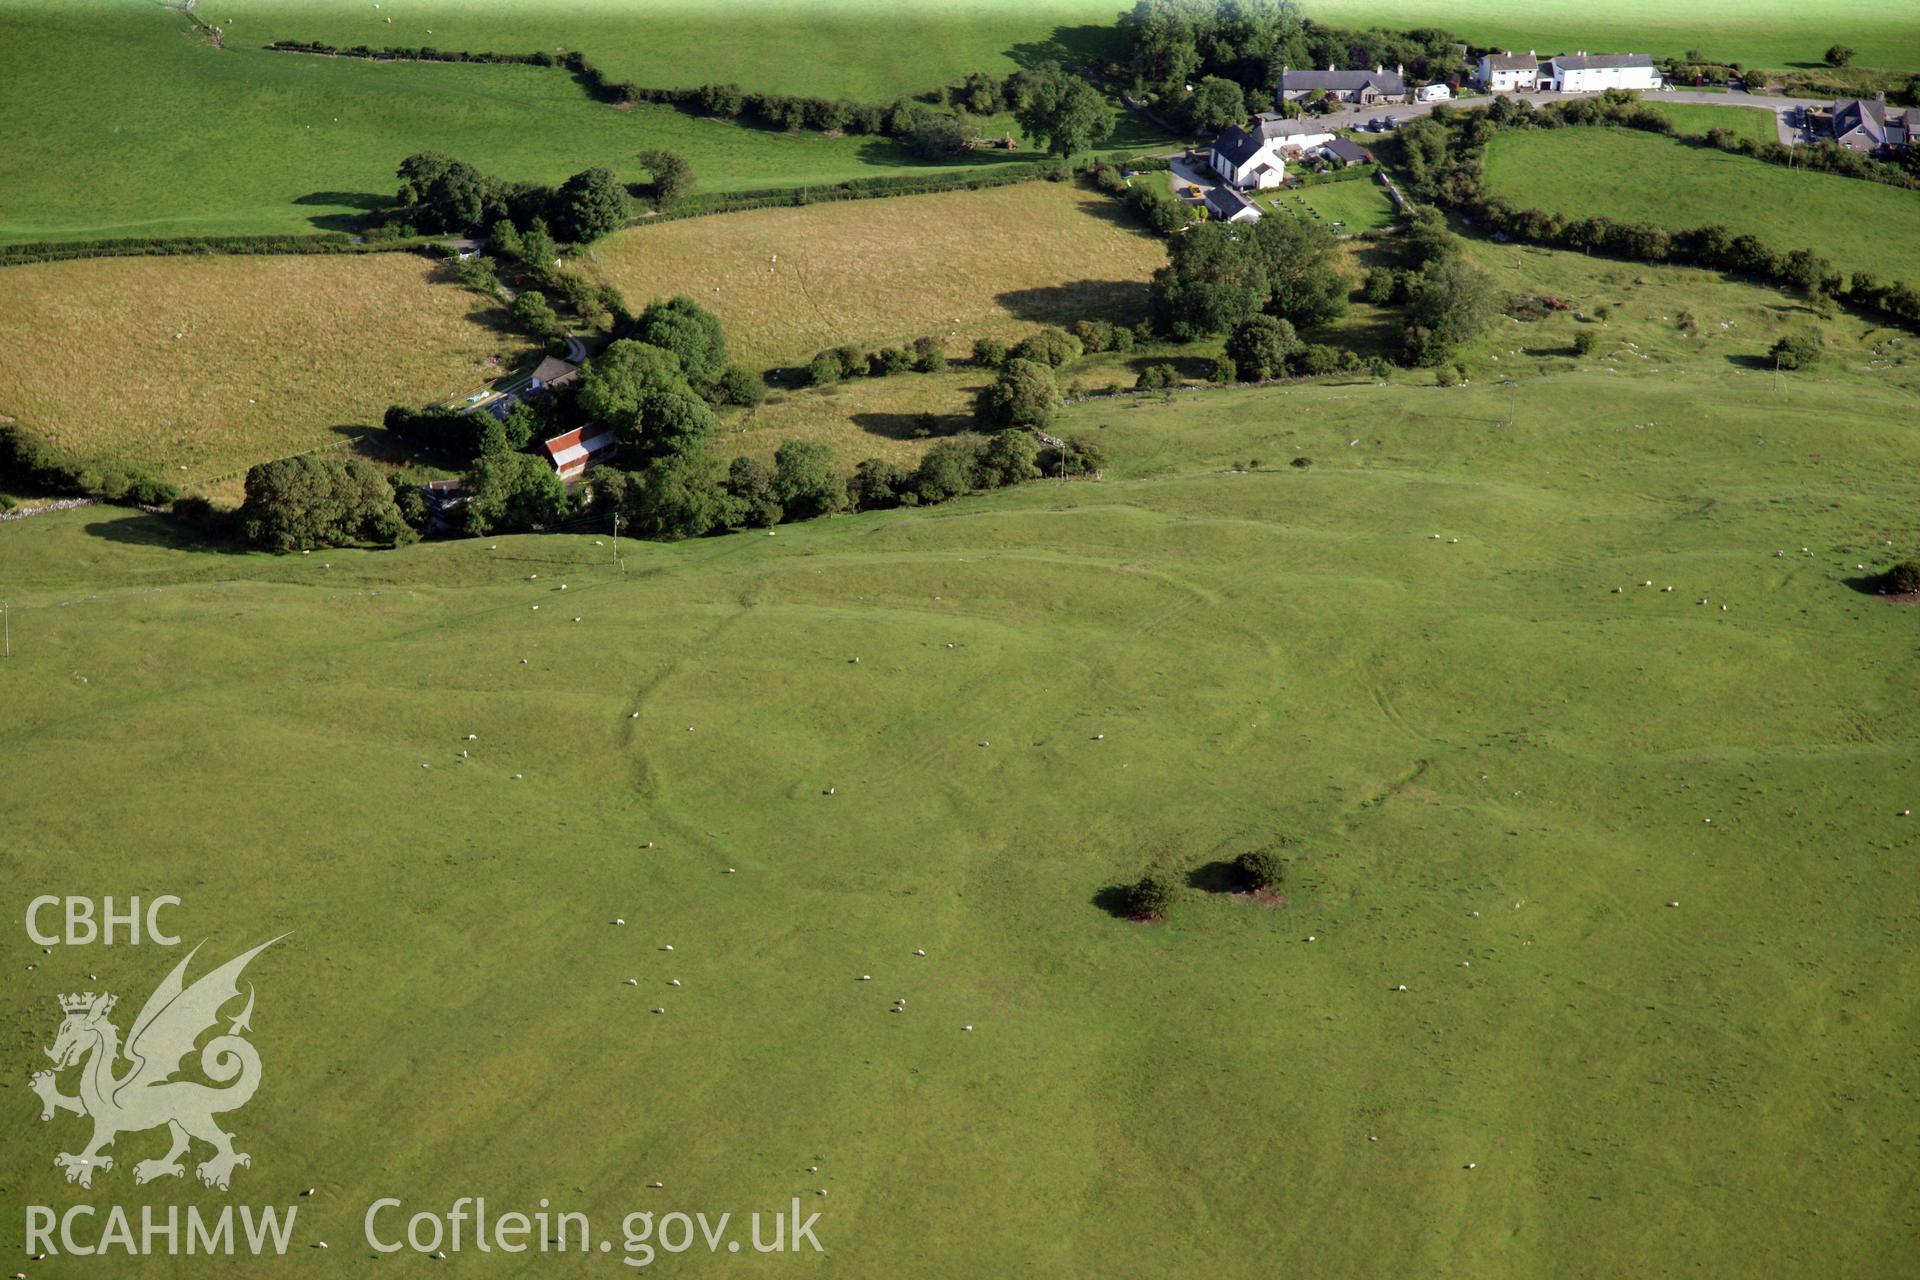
{"points": [[1639, 176], [1744, 122], [1498, 771], [201, 141], [1356, 206], [862, 49]]}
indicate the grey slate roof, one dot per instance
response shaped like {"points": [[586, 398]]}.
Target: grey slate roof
{"points": [[1271, 129], [1348, 151], [1225, 202], [1387, 82], [1236, 146], [1512, 62], [1598, 61]]}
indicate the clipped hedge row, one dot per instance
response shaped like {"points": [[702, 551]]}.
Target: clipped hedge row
{"points": [[855, 189], [29, 460], [177, 246]]}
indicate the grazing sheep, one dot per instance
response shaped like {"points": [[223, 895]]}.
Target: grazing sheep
{"points": [[668, 947], [968, 1027], [866, 977], [619, 919], [917, 951]]}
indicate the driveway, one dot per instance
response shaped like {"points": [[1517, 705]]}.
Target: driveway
{"points": [[1782, 108]]}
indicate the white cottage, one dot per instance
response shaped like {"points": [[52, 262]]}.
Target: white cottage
{"points": [[1509, 72], [1257, 159]]}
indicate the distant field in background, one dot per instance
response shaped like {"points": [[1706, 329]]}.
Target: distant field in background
{"points": [[277, 354], [1634, 176], [1769, 33], [190, 140], [864, 49], [872, 272]]}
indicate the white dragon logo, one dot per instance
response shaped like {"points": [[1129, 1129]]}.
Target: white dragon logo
{"points": [[147, 1095]]}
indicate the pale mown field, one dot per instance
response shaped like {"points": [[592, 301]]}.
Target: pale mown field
{"points": [[196, 367], [959, 265]]}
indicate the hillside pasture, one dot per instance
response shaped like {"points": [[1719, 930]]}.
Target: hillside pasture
{"points": [[956, 266], [275, 355], [1633, 176], [1498, 774]]}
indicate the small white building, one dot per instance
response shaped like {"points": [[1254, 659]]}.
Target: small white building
{"points": [[1509, 72], [1257, 159], [1594, 73], [1224, 204], [1433, 93]]}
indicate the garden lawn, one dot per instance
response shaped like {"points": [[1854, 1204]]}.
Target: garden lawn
{"points": [[1345, 208], [1634, 176], [1755, 123]]}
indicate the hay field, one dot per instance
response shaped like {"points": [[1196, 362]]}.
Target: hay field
{"points": [[958, 265], [276, 354]]}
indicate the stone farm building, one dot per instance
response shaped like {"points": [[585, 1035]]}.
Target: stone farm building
{"points": [[1593, 73], [1366, 88]]}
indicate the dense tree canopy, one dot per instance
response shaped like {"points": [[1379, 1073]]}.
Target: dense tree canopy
{"points": [[512, 491], [1063, 113], [1024, 395], [300, 504], [589, 205], [1212, 282], [691, 332]]}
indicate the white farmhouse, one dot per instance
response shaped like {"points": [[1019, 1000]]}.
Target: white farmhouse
{"points": [[1591, 73], [1509, 72], [1257, 159]]}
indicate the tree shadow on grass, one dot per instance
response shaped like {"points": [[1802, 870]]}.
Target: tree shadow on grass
{"points": [[1218, 877], [144, 529], [1117, 216], [1069, 46], [1115, 900], [911, 426], [362, 202], [1122, 301], [1763, 364]]}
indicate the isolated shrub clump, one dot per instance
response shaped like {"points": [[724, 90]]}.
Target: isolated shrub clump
{"points": [[1902, 579], [1798, 349], [1152, 897], [1263, 868]]}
